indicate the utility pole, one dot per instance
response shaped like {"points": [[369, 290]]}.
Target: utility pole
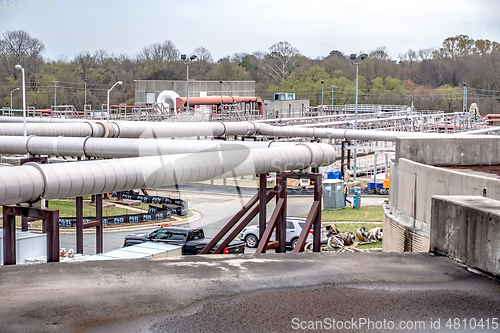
{"points": [[464, 108], [85, 103], [55, 95], [332, 96]]}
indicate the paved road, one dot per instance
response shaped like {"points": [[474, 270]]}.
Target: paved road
{"points": [[215, 209]]}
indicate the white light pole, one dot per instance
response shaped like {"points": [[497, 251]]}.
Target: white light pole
{"points": [[464, 108], [322, 108], [187, 62], [24, 99], [85, 102], [11, 98], [220, 81], [353, 58], [55, 96], [119, 82]]}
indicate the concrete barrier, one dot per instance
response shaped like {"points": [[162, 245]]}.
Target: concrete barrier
{"points": [[455, 150], [467, 228]]}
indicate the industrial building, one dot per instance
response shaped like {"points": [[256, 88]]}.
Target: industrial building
{"points": [[147, 91]]}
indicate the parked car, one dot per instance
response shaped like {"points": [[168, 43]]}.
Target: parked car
{"points": [[192, 240], [294, 225]]}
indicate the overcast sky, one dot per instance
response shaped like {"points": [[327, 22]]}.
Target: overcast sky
{"points": [[225, 27]]}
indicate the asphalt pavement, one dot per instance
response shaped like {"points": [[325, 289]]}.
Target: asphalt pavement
{"points": [[250, 293]]}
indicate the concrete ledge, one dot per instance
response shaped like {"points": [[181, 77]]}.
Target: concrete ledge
{"points": [[467, 229], [453, 150], [240, 293]]}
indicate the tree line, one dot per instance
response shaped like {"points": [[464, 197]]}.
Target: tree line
{"points": [[430, 79]]}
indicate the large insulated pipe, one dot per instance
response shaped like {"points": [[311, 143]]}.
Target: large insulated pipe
{"points": [[127, 129], [120, 148], [32, 181], [97, 129], [8, 119], [324, 133]]}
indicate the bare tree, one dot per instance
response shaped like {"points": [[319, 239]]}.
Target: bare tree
{"points": [[380, 53], [202, 54], [18, 47], [280, 60], [238, 57], [425, 54], [161, 52]]}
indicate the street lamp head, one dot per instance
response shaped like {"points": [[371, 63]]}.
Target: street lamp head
{"points": [[353, 56], [220, 81], [464, 84], [192, 57], [16, 89], [18, 67], [364, 56], [183, 57], [322, 81], [120, 82]]}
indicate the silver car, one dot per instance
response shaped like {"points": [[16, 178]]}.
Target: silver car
{"points": [[294, 225]]}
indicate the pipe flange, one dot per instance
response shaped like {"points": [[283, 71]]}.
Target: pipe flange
{"points": [[45, 182], [117, 129], [223, 131], [27, 140], [104, 126], [84, 148], [254, 128]]}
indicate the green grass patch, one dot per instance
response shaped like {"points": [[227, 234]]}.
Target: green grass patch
{"points": [[68, 209], [364, 214]]}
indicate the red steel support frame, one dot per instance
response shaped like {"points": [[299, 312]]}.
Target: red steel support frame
{"points": [[313, 218], [281, 227], [262, 204], [50, 219], [273, 222], [232, 222], [97, 223], [278, 218], [79, 225]]}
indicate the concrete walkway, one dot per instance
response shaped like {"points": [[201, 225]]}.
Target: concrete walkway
{"points": [[245, 293]]}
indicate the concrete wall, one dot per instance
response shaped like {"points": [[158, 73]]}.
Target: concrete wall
{"points": [[453, 150], [467, 229], [415, 179], [400, 236], [412, 186], [212, 88]]}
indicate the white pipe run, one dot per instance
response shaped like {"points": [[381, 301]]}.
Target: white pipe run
{"points": [[131, 129], [81, 129], [120, 148], [31, 181]]}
